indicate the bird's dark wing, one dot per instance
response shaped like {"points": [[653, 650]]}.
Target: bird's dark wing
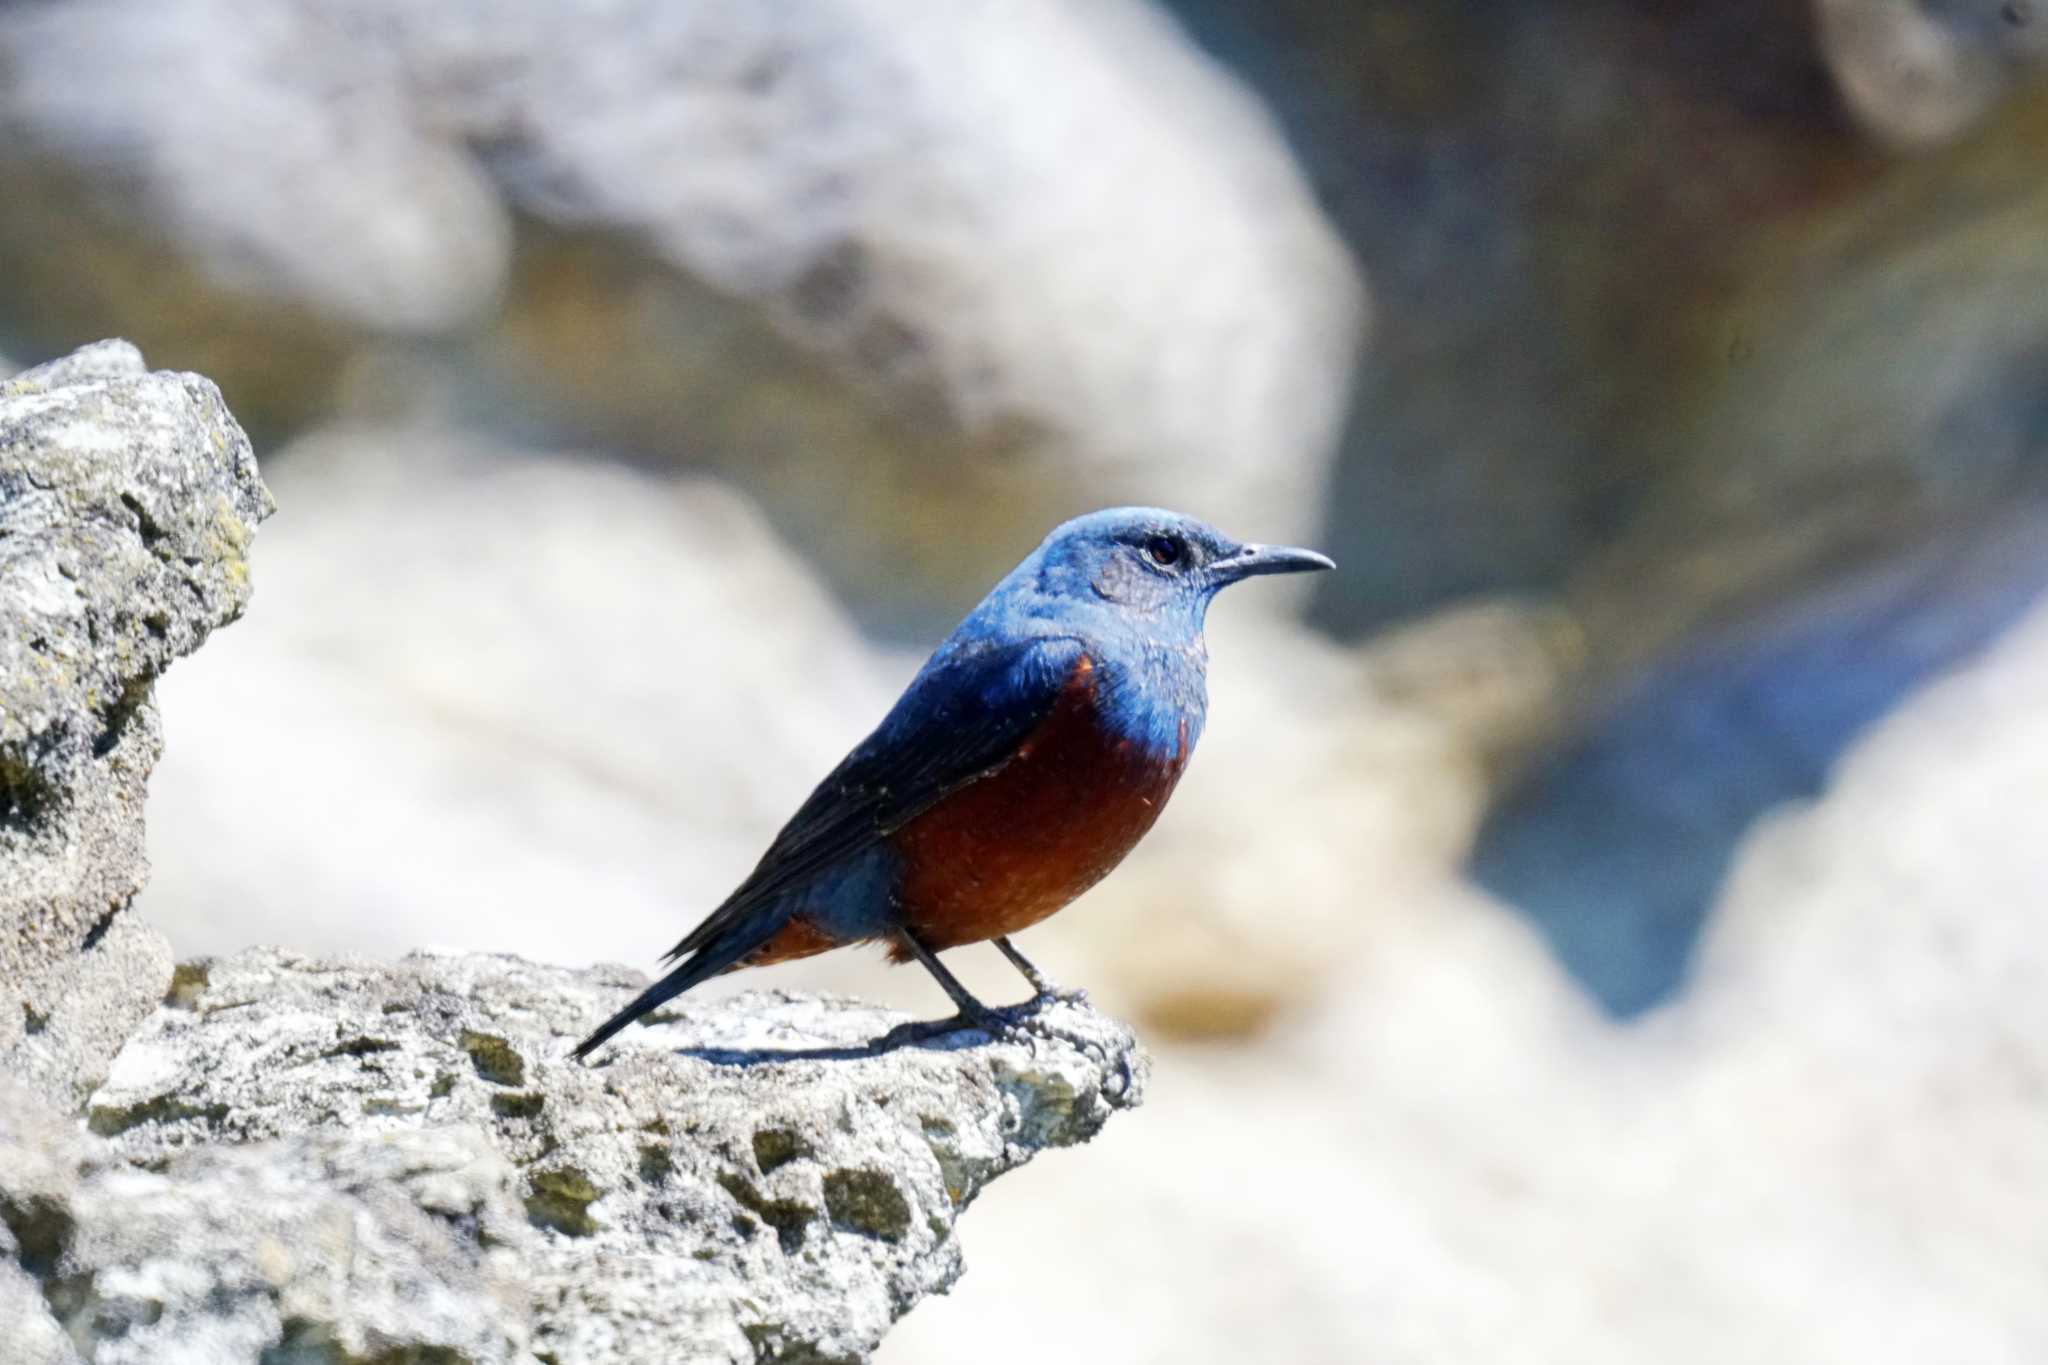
{"points": [[961, 719]]}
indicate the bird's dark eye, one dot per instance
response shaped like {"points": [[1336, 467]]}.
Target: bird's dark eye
{"points": [[1165, 550]]}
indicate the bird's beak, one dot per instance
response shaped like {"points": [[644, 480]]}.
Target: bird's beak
{"points": [[1257, 559]]}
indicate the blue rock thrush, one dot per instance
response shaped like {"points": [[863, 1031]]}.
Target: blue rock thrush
{"points": [[1029, 755]]}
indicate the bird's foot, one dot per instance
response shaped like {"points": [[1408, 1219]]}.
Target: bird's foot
{"points": [[1021, 1022], [1045, 993], [1026, 1021], [921, 1030]]}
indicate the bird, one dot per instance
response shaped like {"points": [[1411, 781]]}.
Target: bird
{"points": [[1031, 752]]}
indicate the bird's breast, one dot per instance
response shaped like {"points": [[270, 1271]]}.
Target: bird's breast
{"points": [[1006, 851]]}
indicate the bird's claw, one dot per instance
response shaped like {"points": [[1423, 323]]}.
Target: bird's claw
{"points": [[1020, 1022], [1025, 1021], [920, 1030], [1034, 1030]]}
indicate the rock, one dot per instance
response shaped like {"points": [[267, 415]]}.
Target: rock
{"points": [[979, 271], [39, 1159], [348, 1161], [127, 500], [376, 1161], [79, 1009], [326, 1243]]}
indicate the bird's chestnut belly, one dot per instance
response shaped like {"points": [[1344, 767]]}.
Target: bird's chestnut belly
{"points": [[1001, 854]]}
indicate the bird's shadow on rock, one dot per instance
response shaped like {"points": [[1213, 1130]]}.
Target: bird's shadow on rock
{"points": [[955, 1034], [955, 1039]]}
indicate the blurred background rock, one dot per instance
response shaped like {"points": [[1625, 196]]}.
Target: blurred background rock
{"points": [[1593, 930]]}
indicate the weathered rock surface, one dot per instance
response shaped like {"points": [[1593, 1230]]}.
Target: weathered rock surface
{"points": [[394, 1162], [127, 501]]}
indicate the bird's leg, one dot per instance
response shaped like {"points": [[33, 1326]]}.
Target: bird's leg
{"points": [[1042, 988], [973, 1014], [1044, 992]]}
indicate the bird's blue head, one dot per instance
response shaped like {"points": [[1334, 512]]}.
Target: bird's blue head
{"points": [[1142, 562]]}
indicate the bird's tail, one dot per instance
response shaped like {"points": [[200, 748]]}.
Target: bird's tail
{"points": [[707, 962]]}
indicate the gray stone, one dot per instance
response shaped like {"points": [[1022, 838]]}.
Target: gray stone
{"points": [[1755, 427], [371, 1160], [343, 1241], [40, 1159], [79, 1009], [127, 501], [36, 1338]]}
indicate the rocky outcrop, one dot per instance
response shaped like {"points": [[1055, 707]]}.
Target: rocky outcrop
{"points": [[338, 1161], [390, 1162], [127, 502]]}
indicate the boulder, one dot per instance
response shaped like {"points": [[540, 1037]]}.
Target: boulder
{"points": [[292, 1157], [401, 1162], [127, 502]]}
